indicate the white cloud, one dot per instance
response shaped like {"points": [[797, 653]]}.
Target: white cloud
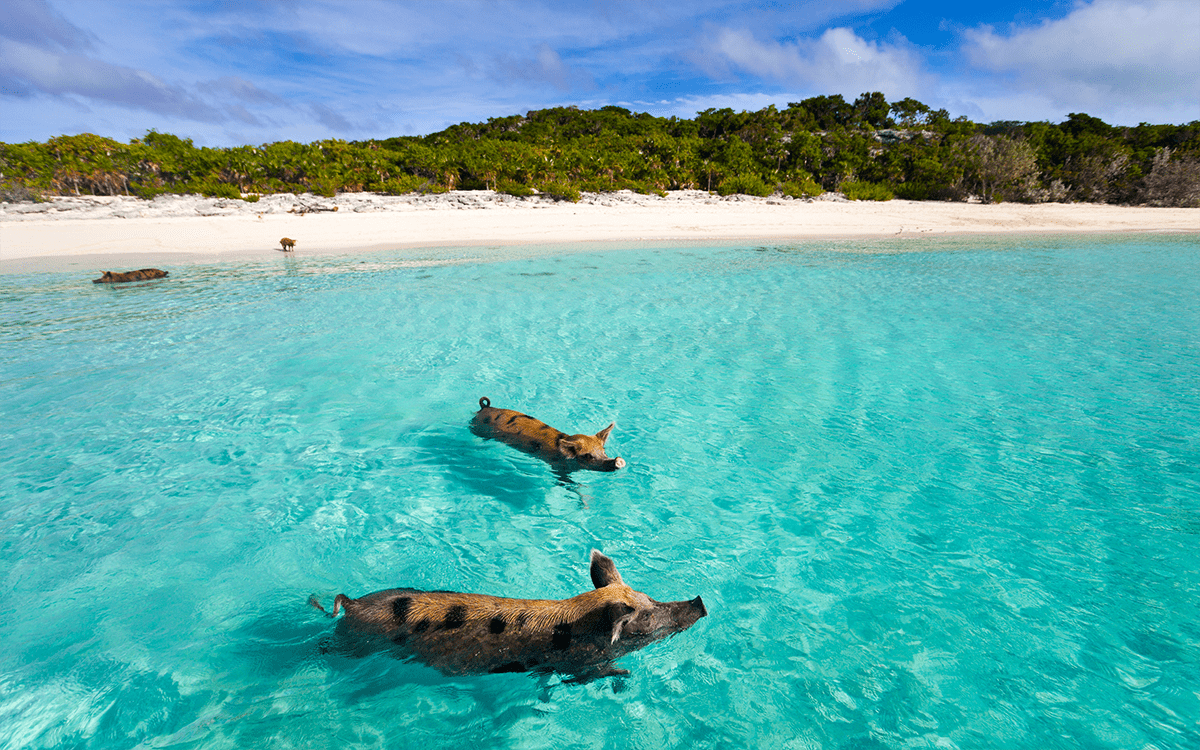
{"points": [[839, 61], [30, 69], [1113, 55]]}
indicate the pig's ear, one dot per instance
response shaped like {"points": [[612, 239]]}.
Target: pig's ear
{"points": [[619, 613], [603, 434], [604, 570], [569, 447]]}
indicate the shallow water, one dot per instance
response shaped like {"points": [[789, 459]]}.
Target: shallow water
{"points": [[936, 494]]}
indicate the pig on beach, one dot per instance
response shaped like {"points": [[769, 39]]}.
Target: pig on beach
{"points": [[122, 276], [565, 452], [461, 634], [287, 243]]}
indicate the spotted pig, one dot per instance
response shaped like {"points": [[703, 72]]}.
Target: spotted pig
{"points": [[462, 634], [287, 243], [122, 276], [565, 452]]}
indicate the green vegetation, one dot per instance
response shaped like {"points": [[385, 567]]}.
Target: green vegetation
{"points": [[866, 191], [803, 187], [869, 149]]}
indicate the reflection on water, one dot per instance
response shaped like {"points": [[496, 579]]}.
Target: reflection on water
{"points": [[933, 492]]}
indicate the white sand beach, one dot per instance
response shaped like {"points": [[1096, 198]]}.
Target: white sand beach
{"points": [[88, 232]]}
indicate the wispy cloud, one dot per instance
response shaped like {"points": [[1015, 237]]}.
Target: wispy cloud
{"points": [[330, 118], [242, 90], [34, 22], [31, 69], [547, 68]]}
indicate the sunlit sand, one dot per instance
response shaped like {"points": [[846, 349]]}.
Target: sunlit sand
{"points": [[70, 232]]}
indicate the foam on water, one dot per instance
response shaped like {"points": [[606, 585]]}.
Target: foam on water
{"points": [[943, 494]]}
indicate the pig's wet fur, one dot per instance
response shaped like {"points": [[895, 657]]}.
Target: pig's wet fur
{"points": [[566, 453], [461, 634], [121, 277]]}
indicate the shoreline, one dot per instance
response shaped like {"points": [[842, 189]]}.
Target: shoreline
{"points": [[85, 232]]}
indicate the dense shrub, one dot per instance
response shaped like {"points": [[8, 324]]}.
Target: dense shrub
{"points": [[559, 191], [805, 187], [744, 184], [407, 183], [998, 167], [323, 188], [11, 192], [509, 187], [217, 189], [907, 147], [866, 191], [1172, 182]]}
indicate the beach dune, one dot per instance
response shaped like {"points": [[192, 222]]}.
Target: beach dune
{"points": [[67, 232]]}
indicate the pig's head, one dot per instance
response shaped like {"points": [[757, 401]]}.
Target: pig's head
{"points": [[588, 451], [637, 620]]}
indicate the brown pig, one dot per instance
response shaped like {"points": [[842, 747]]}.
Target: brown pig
{"points": [[122, 276], [478, 634], [565, 452]]}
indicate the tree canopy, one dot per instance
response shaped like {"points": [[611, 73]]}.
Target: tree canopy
{"points": [[868, 147]]}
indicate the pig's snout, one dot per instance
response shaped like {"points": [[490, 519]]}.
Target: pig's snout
{"points": [[698, 603], [606, 464]]}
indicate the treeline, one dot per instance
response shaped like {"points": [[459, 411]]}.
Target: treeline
{"points": [[868, 149]]}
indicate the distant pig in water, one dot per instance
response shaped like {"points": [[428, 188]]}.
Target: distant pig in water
{"points": [[122, 276], [565, 452], [478, 634]]}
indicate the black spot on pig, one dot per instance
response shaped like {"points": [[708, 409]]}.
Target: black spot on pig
{"points": [[400, 609], [461, 634], [561, 639], [565, 452], [456, 617]]}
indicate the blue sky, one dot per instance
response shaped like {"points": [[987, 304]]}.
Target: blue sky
{"points": [[255, 71]]}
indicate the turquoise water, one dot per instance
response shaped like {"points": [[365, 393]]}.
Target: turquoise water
{"points": [[941, 494]]}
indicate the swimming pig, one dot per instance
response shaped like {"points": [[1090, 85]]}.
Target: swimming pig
{"points": [[478, 634], [565, 452], [122, 276]]}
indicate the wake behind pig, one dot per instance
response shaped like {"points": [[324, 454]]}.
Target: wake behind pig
{"points": [[462, 634], [565, 452]]}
